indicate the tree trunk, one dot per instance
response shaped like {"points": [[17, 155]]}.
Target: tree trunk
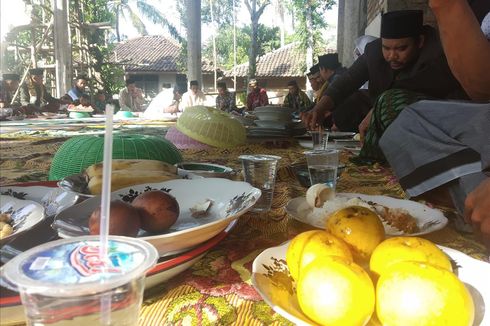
{"points": [[118, 12], [214, 46], [234, 47], [252, 59], [253, 41], [194, 55], [62, 47], [309, 46]]}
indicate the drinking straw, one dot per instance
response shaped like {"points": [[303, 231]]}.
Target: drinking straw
{"points": [[105, 208]]}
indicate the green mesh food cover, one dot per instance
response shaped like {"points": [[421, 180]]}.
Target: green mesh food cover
{"points": [[77, 153], [212, 127]]}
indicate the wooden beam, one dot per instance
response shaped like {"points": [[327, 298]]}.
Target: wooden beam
{"points": [[62, 46]]}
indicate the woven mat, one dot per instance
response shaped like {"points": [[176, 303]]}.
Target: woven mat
{"points": [[217, 290]]}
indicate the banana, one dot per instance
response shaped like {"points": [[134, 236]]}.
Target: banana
{"points": [[131, 165], [125, 178]]}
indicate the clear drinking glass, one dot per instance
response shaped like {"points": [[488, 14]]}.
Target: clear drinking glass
{"points": [[322, 166], [319, 139], [65, 282], [260, 171]]}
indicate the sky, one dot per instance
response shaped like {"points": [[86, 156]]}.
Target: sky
{"points": [[16, 15], [269, 18]]}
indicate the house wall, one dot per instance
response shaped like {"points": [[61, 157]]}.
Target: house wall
{"points": [[376, 7], [351, 25], [167, 80]]}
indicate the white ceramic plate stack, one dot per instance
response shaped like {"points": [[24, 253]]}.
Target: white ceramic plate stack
{"points": [[274, 113], [275, 121]]}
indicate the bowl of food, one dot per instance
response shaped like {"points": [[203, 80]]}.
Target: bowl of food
{"points": [[206, 170]]}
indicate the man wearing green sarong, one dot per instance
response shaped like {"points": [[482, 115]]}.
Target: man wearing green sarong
{"points": [[405, 65]]}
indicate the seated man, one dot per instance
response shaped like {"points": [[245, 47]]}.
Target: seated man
{"points": [[330, 67], [8, 87], [407, 64], [165, 105], [131, 97], [78, 88], [351, 111], [34, 96], [100, 102], [446, 145], [316, 82], [296, 99], [192, 97], [225, 101], [257, 96]]}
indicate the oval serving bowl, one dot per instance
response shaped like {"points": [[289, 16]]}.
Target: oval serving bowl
{"points": [[206, 170], [230, 199]]}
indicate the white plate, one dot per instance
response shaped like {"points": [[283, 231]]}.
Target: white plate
{"points": [[230, 200], [54, 200], [274, 124], [353, 149], [24, 214], [428, 219], [270, 277], [12, 311]]}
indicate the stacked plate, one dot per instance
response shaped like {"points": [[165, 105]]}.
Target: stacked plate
{"points": [[275, 121], [180, 247]]}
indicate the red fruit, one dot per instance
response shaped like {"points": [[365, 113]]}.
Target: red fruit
{"points": [[158, 210], [124, 220]]}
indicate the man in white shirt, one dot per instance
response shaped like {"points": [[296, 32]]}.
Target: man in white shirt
{"points": [[192, 97], [165, 105]]}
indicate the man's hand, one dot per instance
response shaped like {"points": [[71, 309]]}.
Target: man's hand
{"points": [[311, 119], [477, 210], [364, 125]]}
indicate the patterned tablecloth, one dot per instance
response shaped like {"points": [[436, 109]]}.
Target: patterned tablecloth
{"points": [[218, 290]]}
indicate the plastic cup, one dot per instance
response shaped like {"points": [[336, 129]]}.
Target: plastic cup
{"points": [[322, 166], [260, 172], [319, 139], [65, 283]]}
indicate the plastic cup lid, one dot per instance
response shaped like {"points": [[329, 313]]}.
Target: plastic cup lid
{"points": [[71, 267]]}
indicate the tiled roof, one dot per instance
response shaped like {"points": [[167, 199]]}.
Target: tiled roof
{"points": [[154, 53], [283, 62]]}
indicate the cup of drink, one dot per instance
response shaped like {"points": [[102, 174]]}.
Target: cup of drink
{"points": [[260, 171], [319, 139], [65, 282], [322, 166]]}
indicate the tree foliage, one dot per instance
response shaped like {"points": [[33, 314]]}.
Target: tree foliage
{"points": [[256, 9], [106, 75], [268, 40], [144, 11], [222, 11], [302, 32]]}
